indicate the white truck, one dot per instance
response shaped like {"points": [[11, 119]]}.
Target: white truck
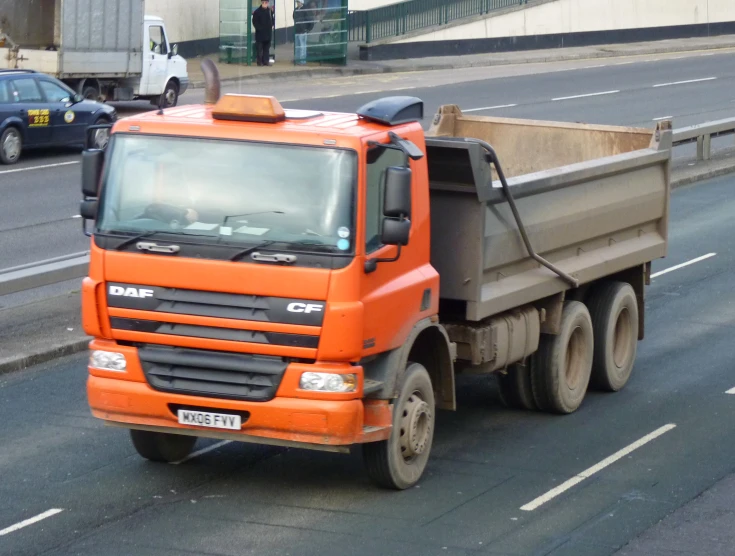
{"points": [[110, 51]]}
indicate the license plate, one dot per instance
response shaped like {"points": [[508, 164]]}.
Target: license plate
{"points": [[211, 420]]}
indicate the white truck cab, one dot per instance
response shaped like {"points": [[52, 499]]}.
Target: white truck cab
{"points": [[163, 76]]}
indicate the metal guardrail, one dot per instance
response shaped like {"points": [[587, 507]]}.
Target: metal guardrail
{"points": [[43, 273], [74, 266], [703, 134], [398, 19]]}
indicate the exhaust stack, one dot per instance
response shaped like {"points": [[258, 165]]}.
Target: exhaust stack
{"points": [[211, 78]]}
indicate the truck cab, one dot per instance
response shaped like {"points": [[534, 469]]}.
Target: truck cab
{"points": [[164, 71]]}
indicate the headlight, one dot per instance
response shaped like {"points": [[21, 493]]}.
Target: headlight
{"points": [[328, 382], [108, 361]]}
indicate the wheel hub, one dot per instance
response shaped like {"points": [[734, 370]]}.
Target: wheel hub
{"points": [[11, 146], [415, 427]]}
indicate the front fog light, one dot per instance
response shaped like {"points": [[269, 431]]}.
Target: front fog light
{"points": [[108, 361], [328, 382]]}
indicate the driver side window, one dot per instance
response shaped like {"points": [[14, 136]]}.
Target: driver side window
{"points": [[158, 40], [379, 159]]}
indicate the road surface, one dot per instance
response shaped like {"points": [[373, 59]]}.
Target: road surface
{"points": [[501, 482]]}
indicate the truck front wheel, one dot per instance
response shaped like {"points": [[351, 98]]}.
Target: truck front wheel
{"points": [[170, 96], [563, 363], [614, 310], [158, 446], [399, 462]]}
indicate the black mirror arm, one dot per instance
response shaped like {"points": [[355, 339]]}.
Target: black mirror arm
{"points": [[408, 147], [372, 264]]}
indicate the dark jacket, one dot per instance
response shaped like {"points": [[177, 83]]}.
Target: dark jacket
{"points": [[302, 21], [263, 22]]}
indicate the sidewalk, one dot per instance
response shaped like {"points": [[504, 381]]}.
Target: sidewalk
{"points": [[703, 527], [285, 69]]}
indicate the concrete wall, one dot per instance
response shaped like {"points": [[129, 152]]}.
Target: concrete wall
{"points": [[579, 16]]}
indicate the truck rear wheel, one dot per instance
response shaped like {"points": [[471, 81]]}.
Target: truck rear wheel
{"points": [[158, 446], [515, 387], [614, 310], [399, 462], [563, 363]]}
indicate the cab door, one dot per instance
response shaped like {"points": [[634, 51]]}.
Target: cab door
{"points": [[29, 105], [68, 121], [155, 60]]}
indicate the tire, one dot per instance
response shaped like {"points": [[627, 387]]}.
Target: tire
{"points": [[90, 92], [614, 311], [11, 145], [413, 433], [563, 363], [101, 136], [163, 447], [170, 96], [515, 388]]}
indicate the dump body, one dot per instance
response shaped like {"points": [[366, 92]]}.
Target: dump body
{"points": [[594, 201], [71, 38]]}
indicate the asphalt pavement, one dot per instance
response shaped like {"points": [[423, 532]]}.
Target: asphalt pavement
{"points": [[500, 482], [39, 212]]}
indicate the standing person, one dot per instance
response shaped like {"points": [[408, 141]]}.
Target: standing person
{"points": [[263, 21], [301, 28]]}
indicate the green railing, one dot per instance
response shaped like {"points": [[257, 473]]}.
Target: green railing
{"points": [[398, 19]]}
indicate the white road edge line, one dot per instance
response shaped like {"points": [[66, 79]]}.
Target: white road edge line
{"points": [[489, 107], [587, 95], [685, 82], [730, 391], [682, 265], [30, 521], [662, 118], [202, 451], [39, 167], [587, 473]]}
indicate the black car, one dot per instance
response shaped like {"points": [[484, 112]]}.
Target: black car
{"points": [[37, 110]]}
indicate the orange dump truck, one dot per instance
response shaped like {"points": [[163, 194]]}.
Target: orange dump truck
{"points": [[317, 280]]}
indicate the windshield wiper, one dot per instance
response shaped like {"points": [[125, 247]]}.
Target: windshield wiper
{"points": [[135, 238], [149, 233], [240, 254]]}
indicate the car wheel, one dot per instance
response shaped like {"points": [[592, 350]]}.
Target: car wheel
{"points": [[11, 145], [170, 96], [100, 137]]}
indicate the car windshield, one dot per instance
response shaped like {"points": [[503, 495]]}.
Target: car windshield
{"points": [[230, 192]]}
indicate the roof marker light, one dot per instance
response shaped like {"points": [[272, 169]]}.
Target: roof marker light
{"points": [[248, 108]]}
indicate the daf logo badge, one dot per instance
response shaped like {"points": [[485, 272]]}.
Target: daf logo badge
{"points": [[141, 293]]}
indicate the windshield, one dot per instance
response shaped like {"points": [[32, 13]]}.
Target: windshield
{"points": [[230, 192]]}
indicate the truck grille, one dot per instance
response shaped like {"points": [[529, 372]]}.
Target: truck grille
{"points": [[212, 374]]}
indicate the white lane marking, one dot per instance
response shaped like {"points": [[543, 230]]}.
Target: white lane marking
{"points": [[590, 67], [77, 216], [682, 265], [39, 167], [730, 391], [30, 521], [708, 54], [202, 451], [346, 94], [662, 118], [587, 473], [624, 63], [489, 107], [587, 95], [685, 82]]}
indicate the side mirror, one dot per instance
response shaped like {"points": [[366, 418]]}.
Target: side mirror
{"points": [[88, 209], [77, 98], [397, 201], [174, 51], [92, 162], [395, 232]]}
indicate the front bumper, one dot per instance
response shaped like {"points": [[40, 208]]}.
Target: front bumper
{"points": [[293, 417], [183, 85]]}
